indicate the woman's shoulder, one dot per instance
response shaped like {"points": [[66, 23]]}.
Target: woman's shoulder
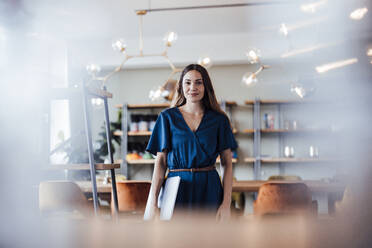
{"points": [[217, 115], [168, 112]]}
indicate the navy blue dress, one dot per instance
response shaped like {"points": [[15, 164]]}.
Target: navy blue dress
{"points": [[188, 149]]}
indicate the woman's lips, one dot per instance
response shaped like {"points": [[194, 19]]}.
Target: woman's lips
{"points": [[194, 94]]}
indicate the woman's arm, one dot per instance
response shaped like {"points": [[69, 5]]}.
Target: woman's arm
{"points": [[160, 168], [226, 171]]}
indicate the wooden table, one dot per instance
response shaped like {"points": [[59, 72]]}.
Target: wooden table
{"points": [[238, 186], [86, 186], [333, 190], [314, 185]]}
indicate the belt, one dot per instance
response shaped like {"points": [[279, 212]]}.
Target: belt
{"points": [[209, 168]]}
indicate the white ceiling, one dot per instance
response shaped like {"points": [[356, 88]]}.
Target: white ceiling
{"points": [[225, 34]]}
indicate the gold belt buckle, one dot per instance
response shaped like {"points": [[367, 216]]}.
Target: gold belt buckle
{"points": [[192, 170]]}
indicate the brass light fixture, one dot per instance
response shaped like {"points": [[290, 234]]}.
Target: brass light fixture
{"points": [[120, 46], [250, 78], [164, 90]]}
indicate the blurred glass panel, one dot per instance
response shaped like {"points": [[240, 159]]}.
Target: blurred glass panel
{"points": [[59, 129]]}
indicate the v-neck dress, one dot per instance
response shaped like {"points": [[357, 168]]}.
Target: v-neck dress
{"points": [[198, 149]]}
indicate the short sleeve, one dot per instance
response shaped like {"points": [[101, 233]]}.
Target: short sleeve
{"points": [[160, 138], [225, 136]]}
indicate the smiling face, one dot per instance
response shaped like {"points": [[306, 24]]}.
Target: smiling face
{"points": [[193, 86]]}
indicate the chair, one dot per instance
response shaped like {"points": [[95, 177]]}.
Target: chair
{"points": [[62, 197], [281, 198], [132, 195]]}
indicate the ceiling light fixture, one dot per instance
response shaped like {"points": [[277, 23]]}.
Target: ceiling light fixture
{"points": [[334, 65], [205, 61], [250, 78], [358, 13], [120, 46], [170, 38]]}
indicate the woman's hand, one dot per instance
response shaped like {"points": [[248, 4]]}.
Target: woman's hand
{"points": [[223, 212], [154, 213]]}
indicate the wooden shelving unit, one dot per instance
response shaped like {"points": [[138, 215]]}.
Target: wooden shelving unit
{"points": [[257, 138], [141, 161], [152, 161], [83, 166], [251, 102], [248, 131], [299, 130], [159, 105], [296, 160], [249, 160], [131, 133]]}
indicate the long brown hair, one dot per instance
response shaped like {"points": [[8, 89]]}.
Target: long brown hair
{"points": [[209, 100]]}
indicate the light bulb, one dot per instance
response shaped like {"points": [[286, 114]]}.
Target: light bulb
{"points": [[283, 29], [205, 61], [369, 52], [93, 68], [249, 79], [156, 93], [119, 45], [304, 89], [298, 90], [97, 102], [170, 38], [358, 13], [254, 55]]}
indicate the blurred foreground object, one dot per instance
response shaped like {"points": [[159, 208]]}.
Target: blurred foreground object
{"points": [[62, 197]]}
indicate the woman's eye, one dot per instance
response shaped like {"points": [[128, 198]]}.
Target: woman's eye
{"points": [[199, 82]]}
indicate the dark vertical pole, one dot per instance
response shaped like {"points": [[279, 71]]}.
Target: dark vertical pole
{"points": [[280, 152], [257, 139], [124, 140], [111, 156], [90, 149]]}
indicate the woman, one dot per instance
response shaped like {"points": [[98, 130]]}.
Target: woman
{"points": [[187, 138]]}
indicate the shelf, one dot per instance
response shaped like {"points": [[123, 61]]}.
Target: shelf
{"points": [[230, 103], [83, 166], [249, 160], [251, 102], [141, 161], [234, 160], [137, 161], [147, 133], [160, 105], [299, 130], [99, 92], [249, 131], [152, 161], [86, 186], [131, 133], [295, 160]]}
